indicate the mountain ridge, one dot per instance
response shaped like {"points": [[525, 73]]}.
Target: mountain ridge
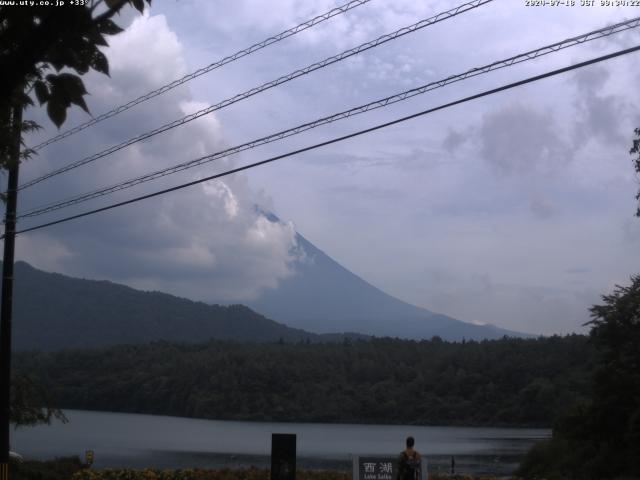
{"points": [[53, 311], [323, 296], [321, 302]]}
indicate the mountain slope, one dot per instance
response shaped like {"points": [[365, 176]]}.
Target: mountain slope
{"points": [[53, 311], [323, 296]]}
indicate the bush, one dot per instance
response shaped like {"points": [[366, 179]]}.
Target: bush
{"points": [[201, 474], [544, 457], [58, 469]]}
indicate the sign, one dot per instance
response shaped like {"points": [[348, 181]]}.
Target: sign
{"points": [[283, 456], [377, 468], [380, 468]]}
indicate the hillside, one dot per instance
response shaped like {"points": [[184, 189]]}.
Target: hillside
{"points": [[53, 311]]}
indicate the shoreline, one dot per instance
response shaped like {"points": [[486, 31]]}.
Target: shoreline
{"points": [[72, 468]]}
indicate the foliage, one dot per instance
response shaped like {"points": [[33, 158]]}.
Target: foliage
{"points": [[58, 469], [42, 47], [635, 149], [226, 474], [445, 476], [201, 474], [601, 438], [501, 382], [72, 468], [28, 404], [615, 412]]}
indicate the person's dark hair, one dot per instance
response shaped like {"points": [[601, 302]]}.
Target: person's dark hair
{"points": [[410, 442]]}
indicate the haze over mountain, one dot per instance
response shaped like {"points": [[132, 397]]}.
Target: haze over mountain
{"points": [[319, 302], [322, 296], [53, 311]]}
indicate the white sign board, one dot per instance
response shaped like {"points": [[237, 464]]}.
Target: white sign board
{"points": [[381, 468]]}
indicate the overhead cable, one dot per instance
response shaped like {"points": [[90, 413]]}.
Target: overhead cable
{"points": [[249, 93], [228, 59], [522, 57], [338, 139]]}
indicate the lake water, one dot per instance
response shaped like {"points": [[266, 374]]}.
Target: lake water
{"points": [[129, 440]]}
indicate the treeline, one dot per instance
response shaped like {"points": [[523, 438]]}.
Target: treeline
{"points": [[508, 382], [600, 438]]}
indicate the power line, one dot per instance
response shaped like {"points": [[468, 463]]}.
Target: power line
{"points": [[249, 93], [231, 58], [523, 57], [339, 139]]}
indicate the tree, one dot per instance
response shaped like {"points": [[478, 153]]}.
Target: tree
{"points": [[635, 150], [43, 50], [600, 438], [29, 404], [38, 39], [615, 412]]}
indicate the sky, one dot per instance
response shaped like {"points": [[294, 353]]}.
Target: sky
{"points": [[516, 209]]}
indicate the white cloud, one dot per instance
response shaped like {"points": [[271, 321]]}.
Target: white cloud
{"points": [[500, 195], [207, 242]]}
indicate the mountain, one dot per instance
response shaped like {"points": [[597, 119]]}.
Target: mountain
{"points": [[53, 311], [323, 296]]}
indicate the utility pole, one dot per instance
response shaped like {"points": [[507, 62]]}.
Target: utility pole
{"points": [[7, 289]]}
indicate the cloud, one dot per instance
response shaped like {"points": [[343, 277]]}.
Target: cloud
{"points": [[504, 210], [542, 207], [631, 231], [453, 140], [600, 113], [518, 139], [577, 270], [207, 242], [557, 310]]}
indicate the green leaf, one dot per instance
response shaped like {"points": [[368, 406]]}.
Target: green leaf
{"points": [[74, 89], [30, 126], [139, 5], [79, 57], [25, 99], [95, 37], [72, 84], [42, 92], [57, 112], [108, 27], [81, 103], [55, 57], [99, 62]]}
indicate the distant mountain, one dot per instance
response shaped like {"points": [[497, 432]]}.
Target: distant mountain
{"points": [[323, 296], [53, 311], [321, 302]]}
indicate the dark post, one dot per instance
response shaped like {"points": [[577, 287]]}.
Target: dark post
{"points": [[7, 292], [453, 466], [283, 456]]}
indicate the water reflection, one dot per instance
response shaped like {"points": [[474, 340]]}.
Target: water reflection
{"points": [[129, 440]]}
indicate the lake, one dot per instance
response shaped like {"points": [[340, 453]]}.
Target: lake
{"points": [[131, 440]]}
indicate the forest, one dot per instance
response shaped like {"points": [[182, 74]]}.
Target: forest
{"points": [[507, 382]]}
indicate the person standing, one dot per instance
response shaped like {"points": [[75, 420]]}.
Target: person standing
{"points": [[410, 462]]}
